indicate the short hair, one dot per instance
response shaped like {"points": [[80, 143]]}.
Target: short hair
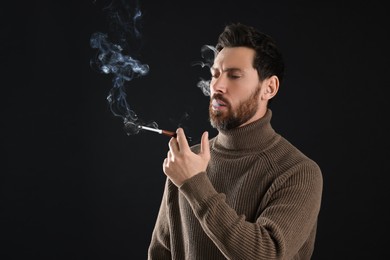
{"points": [[268, 59]]}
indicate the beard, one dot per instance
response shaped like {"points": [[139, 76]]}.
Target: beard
{"points": [[233, 118]]}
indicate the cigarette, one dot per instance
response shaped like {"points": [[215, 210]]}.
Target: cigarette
{"points": [[160, 131]]}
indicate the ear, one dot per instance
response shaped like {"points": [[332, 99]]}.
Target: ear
{"points": [[271, 87]]}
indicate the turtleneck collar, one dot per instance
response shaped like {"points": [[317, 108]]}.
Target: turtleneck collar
{"points": [[256, 135]]}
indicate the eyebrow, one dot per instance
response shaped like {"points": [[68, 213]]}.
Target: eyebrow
{"points": [[228, 69]]}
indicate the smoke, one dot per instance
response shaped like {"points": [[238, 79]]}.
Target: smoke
{"points": [[208, 53], [116, 55], [124, 18]]}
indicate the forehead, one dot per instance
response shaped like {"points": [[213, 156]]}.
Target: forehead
{"points": [[234, 57]]}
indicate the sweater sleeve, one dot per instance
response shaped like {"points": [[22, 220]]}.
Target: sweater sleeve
{"points": [[284, 222], [159, 247]]}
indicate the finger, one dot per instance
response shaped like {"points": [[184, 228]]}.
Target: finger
{"points": [[173, 145], [182, 140], [205, 145], [165, 164]]}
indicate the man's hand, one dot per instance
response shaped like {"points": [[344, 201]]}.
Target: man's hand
{"points": [[181, 163]]}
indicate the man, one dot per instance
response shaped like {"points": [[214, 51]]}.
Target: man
{"points": [[247, 193]]}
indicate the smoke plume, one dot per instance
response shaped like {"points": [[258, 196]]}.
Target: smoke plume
{"points": [[208, 53], [114, 58]]}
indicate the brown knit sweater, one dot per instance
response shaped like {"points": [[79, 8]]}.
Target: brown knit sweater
{"points": [[258, 199]]}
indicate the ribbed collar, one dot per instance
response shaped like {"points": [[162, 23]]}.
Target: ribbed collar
{"points": [[256, 135]]}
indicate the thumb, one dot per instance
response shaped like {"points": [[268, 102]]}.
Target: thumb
{"points": [[205, 146]]}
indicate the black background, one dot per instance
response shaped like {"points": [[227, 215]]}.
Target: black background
{"points": [[75, 186]]}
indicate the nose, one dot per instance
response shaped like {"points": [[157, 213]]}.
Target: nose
{"points": [[218, 84]]}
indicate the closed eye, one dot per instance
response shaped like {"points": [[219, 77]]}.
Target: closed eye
{"points": [[214, 74], [234, 76]]}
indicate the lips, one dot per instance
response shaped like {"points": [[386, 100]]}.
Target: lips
{"points": [[218, 104]]}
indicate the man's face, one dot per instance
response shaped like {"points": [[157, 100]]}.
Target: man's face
{"points": [[235, 89]]}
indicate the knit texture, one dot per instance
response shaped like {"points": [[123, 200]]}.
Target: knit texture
{"points": [[258, 199]]}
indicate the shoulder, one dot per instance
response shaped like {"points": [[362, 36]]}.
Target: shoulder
{"points": [[287, 156]]}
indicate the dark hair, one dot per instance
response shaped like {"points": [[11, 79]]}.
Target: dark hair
{"points": [[268, 60]]}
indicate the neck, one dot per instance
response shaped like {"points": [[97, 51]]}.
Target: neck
{"points": [[252, 135], [259, 114]]}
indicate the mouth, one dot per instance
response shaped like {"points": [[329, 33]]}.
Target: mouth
{"points": [[218, 104]]}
